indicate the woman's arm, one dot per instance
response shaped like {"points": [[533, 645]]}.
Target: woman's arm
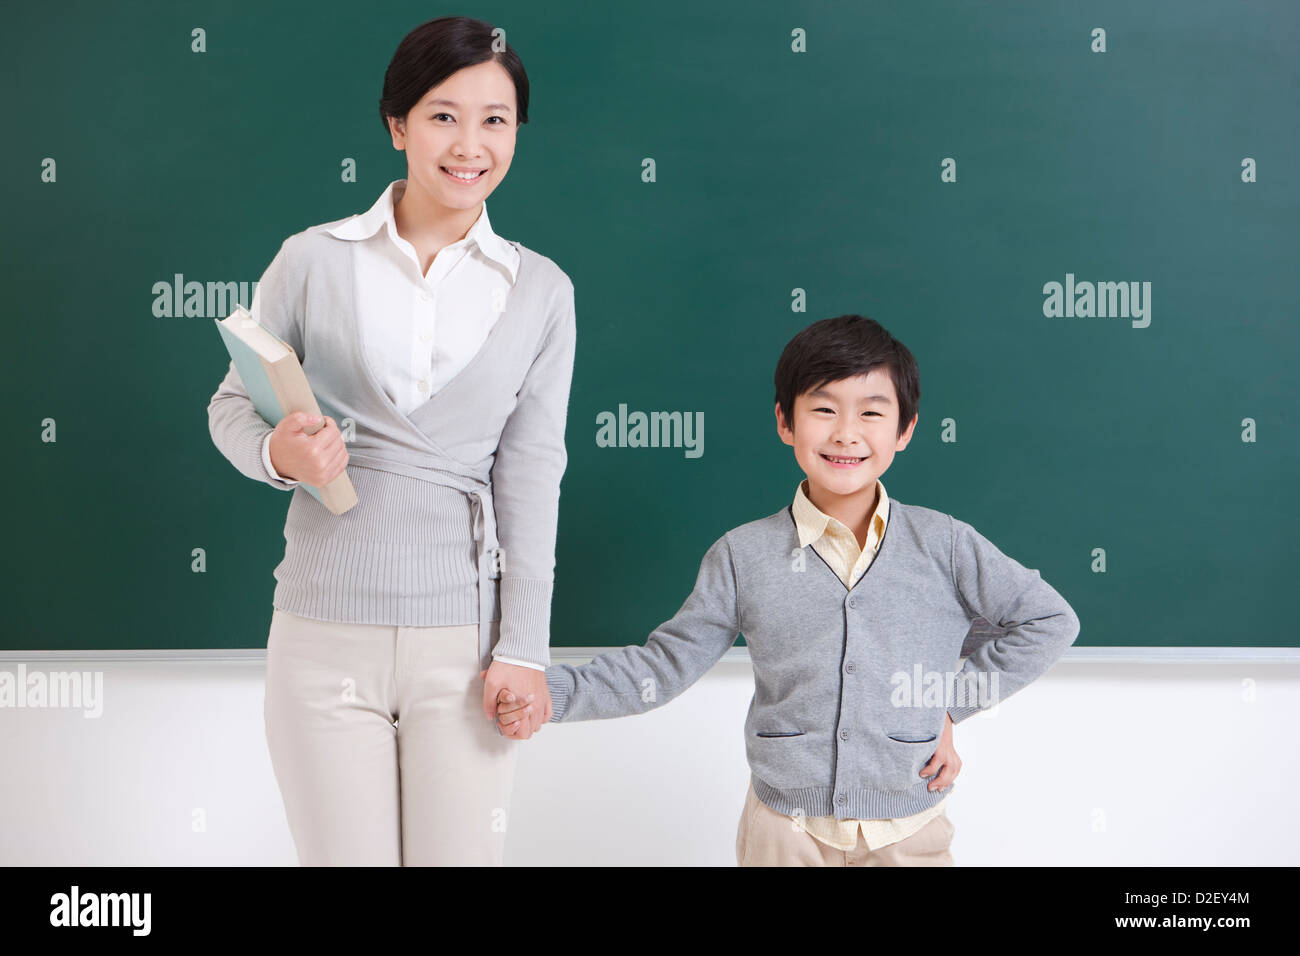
{"points": [[530, 461], [237, 429]]}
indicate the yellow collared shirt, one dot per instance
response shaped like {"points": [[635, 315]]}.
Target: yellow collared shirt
{"points": [[839, 548]]}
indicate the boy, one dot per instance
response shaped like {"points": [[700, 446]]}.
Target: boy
{"points": [[855, 608]]}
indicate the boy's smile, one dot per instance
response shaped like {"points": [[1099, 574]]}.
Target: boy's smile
{"points": [[845, 435]]}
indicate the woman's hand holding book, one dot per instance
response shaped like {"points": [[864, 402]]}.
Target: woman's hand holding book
{"points": [[305, 450]]}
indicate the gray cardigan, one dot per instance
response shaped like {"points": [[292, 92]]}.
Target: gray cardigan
{"points": [[851, 686], [458, 501]]}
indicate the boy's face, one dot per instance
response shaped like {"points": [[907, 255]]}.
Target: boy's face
{"points": [[852, 418]]}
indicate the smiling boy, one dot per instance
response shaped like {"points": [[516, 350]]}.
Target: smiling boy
{"points": [[847, 600]]}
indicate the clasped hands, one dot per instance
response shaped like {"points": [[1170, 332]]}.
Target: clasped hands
{"points": [[516, 698]]}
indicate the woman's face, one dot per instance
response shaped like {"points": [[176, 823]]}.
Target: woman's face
{"points": [[467, 122]]}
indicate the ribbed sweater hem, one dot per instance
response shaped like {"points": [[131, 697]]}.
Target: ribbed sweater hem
{"points": [[404, 555], [329, 579], [859, 804]]}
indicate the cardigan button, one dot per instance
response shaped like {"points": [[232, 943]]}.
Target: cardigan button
{"points": [[841, 799]]}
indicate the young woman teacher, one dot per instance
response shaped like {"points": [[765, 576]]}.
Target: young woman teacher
{"points": [[445, 353]]}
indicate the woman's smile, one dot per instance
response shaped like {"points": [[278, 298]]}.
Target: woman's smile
{"points": [[462, 175]]}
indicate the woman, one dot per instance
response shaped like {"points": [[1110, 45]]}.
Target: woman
{"points": [[446, 352]]}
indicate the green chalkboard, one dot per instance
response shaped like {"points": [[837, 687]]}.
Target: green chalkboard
{"points": [[932, 165]]}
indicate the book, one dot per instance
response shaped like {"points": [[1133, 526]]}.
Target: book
{"points": [[277, 386]]}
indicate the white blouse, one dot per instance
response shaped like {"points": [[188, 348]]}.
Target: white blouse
{"points": [[420, 330]]}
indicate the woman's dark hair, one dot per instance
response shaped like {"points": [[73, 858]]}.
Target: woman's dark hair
{"points": [[844, 347], [434, 51]]}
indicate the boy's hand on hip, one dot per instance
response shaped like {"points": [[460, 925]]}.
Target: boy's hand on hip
{"points": [[520, 683], [945, 760]]}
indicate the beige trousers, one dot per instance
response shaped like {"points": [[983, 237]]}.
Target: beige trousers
{"points": [[380, 747], [767, 838]]}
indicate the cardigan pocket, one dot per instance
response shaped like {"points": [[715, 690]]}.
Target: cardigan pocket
{"points": [[908, 737], [778, 733], [906, 752]]}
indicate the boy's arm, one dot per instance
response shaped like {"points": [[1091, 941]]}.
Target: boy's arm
{"points": [[634, 679], [1038, 622]]}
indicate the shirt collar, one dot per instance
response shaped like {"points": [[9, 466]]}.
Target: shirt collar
{"points": [[366, 224], [811, 521]]}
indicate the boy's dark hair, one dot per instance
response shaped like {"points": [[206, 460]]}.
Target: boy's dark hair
{"points": [[434, 51], [844, 347]]}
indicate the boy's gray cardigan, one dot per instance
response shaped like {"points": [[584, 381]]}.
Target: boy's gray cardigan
{"points": [[851, 685]]}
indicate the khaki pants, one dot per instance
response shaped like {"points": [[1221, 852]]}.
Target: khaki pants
{"points": [[768, 838], [380, 747]]}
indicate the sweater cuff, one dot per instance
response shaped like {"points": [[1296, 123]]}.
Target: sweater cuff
{"points": [[559, 681], [518, 663], [251, 447], [280, 480], [525, 620], [958, 714]]}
